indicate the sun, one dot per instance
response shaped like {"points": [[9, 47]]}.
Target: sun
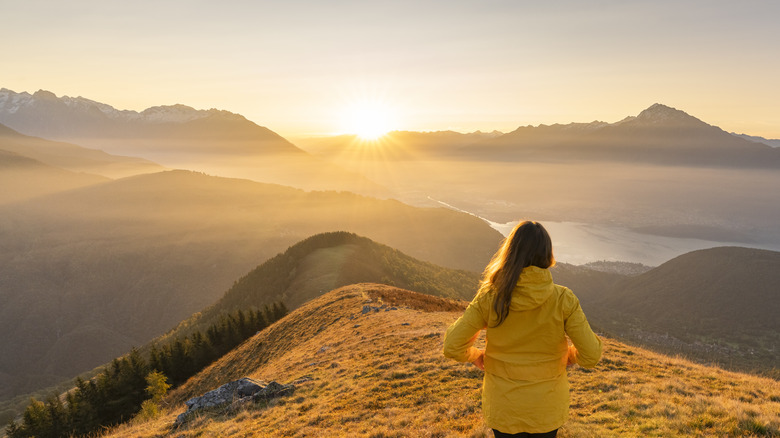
{"points": [[369, 120]]}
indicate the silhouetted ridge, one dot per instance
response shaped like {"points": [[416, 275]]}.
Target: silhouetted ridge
{"points": [[658, 135]]}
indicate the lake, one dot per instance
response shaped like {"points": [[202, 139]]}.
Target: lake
{"points": [[580, 243]]}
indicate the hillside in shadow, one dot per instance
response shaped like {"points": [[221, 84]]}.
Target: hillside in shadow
{"points": [[717, 305], [86, 274]]}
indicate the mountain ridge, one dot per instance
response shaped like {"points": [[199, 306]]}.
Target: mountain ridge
{"points": [[73, 157], [12, 102], [100, 125], [659, 135], [178, 136], [23, 178]]}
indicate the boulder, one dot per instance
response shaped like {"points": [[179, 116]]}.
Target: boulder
{"points": [[234, 394]]}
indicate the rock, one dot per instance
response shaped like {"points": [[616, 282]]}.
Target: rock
{"points": [[369, 309], [273, 390], [235, 393], [225, 394]]}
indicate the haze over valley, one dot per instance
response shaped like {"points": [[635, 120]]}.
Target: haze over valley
{"points": [[661, 173]]}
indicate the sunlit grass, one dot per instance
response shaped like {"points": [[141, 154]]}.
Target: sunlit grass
{"points": [[381, 378]]}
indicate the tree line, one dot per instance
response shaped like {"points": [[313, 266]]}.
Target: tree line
{"points": [[116, 394]]}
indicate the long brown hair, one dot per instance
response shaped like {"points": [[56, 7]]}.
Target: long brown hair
{"points": [[527, 245]]}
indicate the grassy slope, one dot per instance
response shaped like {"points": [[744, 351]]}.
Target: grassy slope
{"points": [[382, 374]]}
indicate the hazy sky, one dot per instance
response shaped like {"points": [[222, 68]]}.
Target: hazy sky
{"points": [[298, 66]]}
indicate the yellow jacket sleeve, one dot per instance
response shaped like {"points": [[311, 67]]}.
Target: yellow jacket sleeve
{"points": [[587, 346], [460, 336]]}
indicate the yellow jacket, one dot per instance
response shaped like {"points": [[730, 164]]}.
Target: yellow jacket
{"points": [[525, 386]]}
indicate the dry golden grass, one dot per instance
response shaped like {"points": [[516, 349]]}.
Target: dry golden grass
{"points": [[382, 374]]}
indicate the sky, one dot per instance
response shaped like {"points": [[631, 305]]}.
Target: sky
{"points": [[308, 68]]}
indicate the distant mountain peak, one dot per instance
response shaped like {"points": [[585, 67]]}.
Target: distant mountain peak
{"points": [[44, 95], [659, 114]]}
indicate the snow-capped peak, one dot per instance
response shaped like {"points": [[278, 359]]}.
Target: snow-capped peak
{"points": [[12, 102]]}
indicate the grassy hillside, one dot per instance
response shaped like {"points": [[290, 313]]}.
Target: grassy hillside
{"points": [[717, 305], [87, 274], [382, 374]]}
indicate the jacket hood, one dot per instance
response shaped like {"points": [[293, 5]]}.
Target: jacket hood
{"points": [[533, 288]]}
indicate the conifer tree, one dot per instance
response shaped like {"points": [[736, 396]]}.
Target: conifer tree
{"points": [[157, 387]]}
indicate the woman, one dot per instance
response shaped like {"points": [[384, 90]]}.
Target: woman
{"points": [[527, 317]]}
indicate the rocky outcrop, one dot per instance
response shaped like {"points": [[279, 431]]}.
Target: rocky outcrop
{"points": [[235, 394]]}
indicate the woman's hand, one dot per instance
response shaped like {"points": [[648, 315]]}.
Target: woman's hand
{"points": [[480, 362], [572, 356]]}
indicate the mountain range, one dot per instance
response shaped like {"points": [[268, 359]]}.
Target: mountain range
{"points": [[658, 135], [177, 136], [754, 138], [98, 124]]}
